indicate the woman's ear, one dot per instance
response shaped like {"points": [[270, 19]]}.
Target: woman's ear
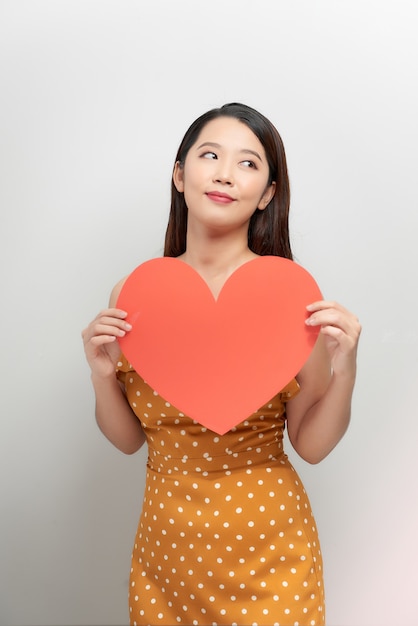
{"points": [[178, 177], [267, 196]]}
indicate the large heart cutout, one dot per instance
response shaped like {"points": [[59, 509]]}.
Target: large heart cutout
{"points": [[218, 361]]}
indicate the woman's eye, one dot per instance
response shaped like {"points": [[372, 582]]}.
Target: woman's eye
{"points": [[209, 155], [248, 163]]}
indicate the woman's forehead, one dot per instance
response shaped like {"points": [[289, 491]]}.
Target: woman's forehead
{"points": [[228, 132]]}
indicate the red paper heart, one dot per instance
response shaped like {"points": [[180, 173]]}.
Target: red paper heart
{"points": [[218, 361]]}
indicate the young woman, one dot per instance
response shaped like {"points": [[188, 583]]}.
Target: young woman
{"points": [[226, 534]]}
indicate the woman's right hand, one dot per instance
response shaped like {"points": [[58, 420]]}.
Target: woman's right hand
{"points": [[99, 338]]}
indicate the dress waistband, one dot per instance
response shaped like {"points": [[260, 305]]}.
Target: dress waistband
{"points": [[207, 464]]}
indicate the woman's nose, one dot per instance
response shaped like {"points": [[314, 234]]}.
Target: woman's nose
{"points": [[223, 178], [223, 171]]}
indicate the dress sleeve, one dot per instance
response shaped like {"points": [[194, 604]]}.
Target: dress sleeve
{"points": [[290, 391], [122, 368]]}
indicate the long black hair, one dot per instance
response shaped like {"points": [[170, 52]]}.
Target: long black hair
{"points": [[268, 232]]}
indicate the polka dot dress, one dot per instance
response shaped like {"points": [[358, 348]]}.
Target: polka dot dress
{"points": [[226, 534]]}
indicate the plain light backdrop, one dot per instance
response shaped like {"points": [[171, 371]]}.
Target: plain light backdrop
{"points": [[95, 97]]}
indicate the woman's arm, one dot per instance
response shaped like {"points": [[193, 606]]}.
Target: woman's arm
{"points": [[114, 416], [319, 415]]}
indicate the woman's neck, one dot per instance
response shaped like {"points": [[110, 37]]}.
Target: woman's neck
{"points": [[216, 258]]}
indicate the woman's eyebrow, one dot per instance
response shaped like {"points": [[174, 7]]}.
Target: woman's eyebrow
{"points": [[253, 152], [212, 144]]}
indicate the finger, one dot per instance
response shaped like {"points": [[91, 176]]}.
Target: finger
{"points": [[325, 316], [325, 304], [107, 327], [328, 305], [111, 317], [341, 319], [112, 312], [112, 322], [100, 340]]}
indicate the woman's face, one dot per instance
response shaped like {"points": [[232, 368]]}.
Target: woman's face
{"points": [[225, 176]]}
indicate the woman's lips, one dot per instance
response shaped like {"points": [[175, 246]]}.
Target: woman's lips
{"points": [[218, 196]]}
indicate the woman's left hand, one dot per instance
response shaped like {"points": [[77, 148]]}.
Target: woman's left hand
{"points": [[341, 332]]}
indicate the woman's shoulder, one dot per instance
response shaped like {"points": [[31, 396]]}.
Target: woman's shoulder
{"points": [[116, 291]]}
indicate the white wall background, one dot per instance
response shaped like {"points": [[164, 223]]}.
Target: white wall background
{"points": [[95, 96]]}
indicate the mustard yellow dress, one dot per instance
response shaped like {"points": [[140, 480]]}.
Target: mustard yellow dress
{"points": [[226, 534]]}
